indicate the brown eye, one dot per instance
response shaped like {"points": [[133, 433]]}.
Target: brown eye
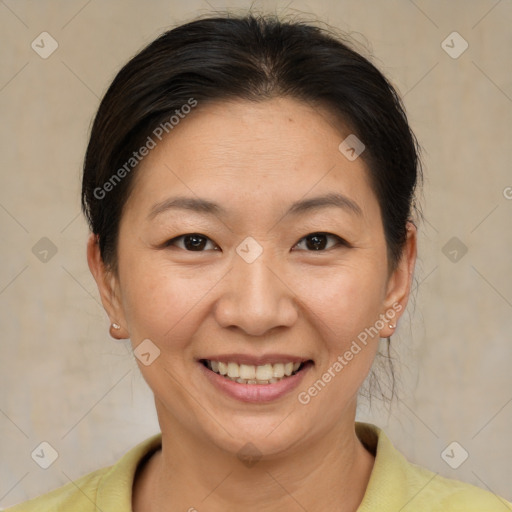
{"points": [[316, 242], [319, 242], [193, 242]]}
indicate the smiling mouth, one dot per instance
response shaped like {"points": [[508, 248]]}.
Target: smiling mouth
{"points": [[252, 374]]}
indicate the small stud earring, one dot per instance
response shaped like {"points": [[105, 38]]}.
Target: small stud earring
{"points": [[116, 326], [391, 326]]}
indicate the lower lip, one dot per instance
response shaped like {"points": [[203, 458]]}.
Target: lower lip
{"points": [[255, 393]]}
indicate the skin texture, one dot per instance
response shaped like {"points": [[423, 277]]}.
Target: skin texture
{"points": [[254, 160]]}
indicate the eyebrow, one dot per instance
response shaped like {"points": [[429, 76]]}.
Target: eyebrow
{"points": [[186, 203], [328, 200], [299, 207]]}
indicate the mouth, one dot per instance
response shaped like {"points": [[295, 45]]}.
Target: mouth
{"points": [[254, 374]]}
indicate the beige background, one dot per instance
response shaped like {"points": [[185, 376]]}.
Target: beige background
{"points": [[64, 381]]}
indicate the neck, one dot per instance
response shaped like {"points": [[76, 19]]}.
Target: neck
{"points": [[328, 473]]}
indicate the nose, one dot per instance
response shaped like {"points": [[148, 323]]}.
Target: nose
{"points": [[255, 299]]}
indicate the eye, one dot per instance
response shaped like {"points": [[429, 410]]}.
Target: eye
{"points": [[319, 242], [192, 242]]}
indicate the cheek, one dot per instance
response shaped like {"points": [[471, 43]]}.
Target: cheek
{"points": [[344, 301], [160, 303]]}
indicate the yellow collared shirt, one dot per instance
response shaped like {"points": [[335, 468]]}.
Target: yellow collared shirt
{"points": [[395, 485]]}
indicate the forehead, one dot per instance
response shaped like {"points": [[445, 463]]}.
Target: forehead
{"points": [[241, 133], [252, 151]]}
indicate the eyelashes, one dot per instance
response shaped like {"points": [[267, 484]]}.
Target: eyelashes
{"points": [[320, 241], [313, 242], [192, 242]]}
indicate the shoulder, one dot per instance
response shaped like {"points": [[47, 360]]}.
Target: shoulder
{"points": [[397, 484], [78, 496], [108, 489], [441, 494]]}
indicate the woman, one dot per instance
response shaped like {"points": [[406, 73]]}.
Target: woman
{"points": [[250, 185]]}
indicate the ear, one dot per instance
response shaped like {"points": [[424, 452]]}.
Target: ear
{"points": [[400, 283], [108, 287]]}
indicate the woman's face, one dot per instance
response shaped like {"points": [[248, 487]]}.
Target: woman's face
{"points": [[254, 288]]}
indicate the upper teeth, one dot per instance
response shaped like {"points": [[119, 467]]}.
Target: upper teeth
{"points": [[264, 372]]}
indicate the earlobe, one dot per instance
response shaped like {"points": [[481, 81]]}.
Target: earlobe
{"points": [[400, 282], [115, 331], [106, 283]]}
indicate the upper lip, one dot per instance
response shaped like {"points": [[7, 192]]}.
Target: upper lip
{"points": [[259, 360]]}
